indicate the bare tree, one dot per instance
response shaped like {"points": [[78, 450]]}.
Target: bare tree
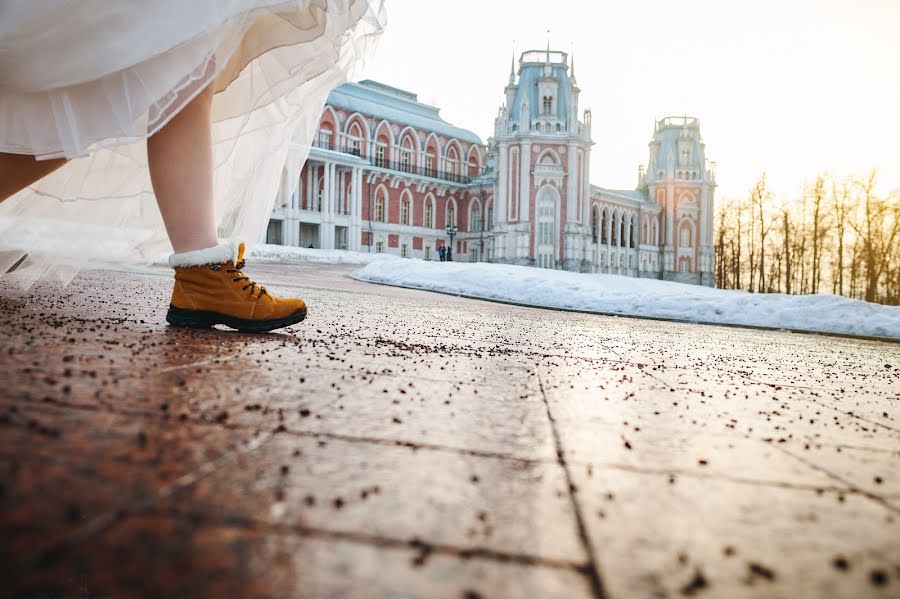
{"points": [[786, 225], [759, 199], [877, 227], [723, 230], [839, 195], [818, 232], [840, 234]]}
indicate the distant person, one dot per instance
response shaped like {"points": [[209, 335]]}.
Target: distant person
{"points": [[110, 109], [442, 253]]}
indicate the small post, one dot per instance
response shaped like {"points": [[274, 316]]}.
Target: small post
{"points": [[452, 230]]}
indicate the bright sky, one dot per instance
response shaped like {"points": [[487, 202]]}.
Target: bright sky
{"points": [[792, 87]]}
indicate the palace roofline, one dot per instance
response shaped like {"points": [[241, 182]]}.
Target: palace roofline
{"points": [[381, 101]]}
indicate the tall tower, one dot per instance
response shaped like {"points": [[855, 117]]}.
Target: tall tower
{"points": [[543, 149], [683, 183]]}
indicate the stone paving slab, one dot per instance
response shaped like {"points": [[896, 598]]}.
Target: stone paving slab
{"points": [[66, 471], [716, 538], [651, 427], [394, 492], [403, 444], [170, 556]]}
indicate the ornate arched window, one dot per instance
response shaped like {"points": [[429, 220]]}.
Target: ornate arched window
{"points": [[405, 211], [451, 214], [381, 154], [604, 225], [452, 161], [686, 235], [546, 227], [428, 223], [474, 162], [595, 224], [354, 140], [407, 154], [379, 207], [325, 136]]}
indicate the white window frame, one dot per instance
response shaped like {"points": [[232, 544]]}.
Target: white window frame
{"points": [[405, 209]]}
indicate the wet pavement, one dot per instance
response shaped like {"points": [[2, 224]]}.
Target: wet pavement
{"points": [[403, 444]]}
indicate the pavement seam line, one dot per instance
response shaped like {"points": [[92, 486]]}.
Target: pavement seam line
{"points": [[856, 488], [416, 446], [592, 571], [363, 538], [821, 405]]}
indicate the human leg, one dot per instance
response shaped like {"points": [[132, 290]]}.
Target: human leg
{"points": [[18, 171], [181, 167]]}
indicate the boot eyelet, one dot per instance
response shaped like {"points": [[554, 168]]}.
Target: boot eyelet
{"points": [[215, 266]]}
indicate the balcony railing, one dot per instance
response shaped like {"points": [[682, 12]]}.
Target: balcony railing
{"points": [[405, 167], [334, 148], [399, 166]]}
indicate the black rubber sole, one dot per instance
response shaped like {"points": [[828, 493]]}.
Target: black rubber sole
{"points": [[202, 319]]}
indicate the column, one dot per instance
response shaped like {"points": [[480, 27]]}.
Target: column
{"points": [[670, 227], [326, 229], [310, 178], [500, 202], [618, 226], [340, 191], [525, 181], [283, 202], [628, 232], [355, 231], [670, 237], [572, 186], [586, 186]]}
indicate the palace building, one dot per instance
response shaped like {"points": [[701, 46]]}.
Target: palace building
{"points": [[387, 174]]}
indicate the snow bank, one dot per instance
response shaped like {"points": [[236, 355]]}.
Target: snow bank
{"points": [[639, 297], [283, 253]]}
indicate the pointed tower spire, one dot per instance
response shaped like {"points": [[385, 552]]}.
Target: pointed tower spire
{"points": [[573, 67], [512, 69]]}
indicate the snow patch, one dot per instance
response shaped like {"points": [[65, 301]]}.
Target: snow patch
{"points": [[283, 253], [639, 297]]}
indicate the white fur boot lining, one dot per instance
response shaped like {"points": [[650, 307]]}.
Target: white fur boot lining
{"points": [[223, 252]]}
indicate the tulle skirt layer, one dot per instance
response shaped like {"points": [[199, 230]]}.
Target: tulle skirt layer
{"points": [[92, 80]]}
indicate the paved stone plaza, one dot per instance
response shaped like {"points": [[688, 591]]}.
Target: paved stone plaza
{"points": [[404, 444]]}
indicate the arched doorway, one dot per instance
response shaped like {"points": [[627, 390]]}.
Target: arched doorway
{"points": [[545, 242]]}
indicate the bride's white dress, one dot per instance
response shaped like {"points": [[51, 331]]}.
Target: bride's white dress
{"points": [[91, 80]]}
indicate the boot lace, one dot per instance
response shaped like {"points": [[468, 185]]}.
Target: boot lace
{"points": [[242, 277]]}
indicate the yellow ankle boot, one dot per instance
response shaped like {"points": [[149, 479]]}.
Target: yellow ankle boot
{"points": [[210, 289]]}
